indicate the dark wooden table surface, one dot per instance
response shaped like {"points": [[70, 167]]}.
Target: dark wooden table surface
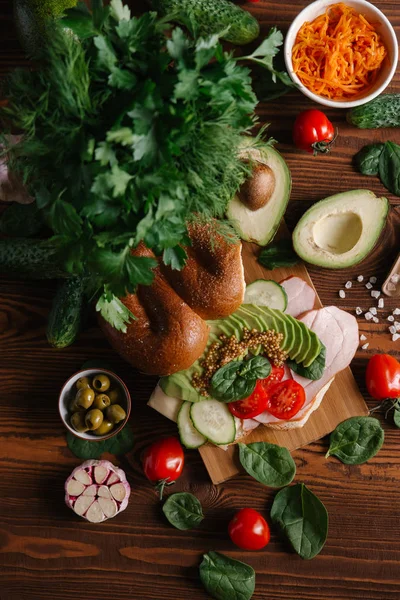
{"points": [[46, 553]]}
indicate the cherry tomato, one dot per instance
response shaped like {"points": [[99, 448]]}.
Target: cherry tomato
{"points": [[251, 406], [277, 374], [285, 399], [163, 462], [249, 530], [256, 403], [312, 131], [383, 377]]}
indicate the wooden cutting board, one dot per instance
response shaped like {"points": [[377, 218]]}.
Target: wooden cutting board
{"points": [[342, 400]]}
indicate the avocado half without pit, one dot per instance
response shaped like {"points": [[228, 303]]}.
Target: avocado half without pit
{"points": [[341, 230], [258, 207]]}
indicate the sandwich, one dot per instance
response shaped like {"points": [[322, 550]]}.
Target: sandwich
{"points": [[328, 336]]}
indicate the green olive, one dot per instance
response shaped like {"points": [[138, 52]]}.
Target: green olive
{"points": [[74, 406], [78, 421], [93, 419], [84, 397], [101, 401], [115, 413], [104, 428], [114, 395], [83, 382], [101, 383]]}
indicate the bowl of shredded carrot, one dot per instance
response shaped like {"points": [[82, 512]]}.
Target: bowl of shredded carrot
{"points": [[341, 54]]}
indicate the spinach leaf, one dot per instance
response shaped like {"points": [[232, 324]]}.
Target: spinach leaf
{"points": [[121, 443], [269, 464], [237, 379], [367, 159], [396, 417], [225, 578], [303, 518], [315, 370], [389, 167], [276, 255], [183, 511], [356, 440]]}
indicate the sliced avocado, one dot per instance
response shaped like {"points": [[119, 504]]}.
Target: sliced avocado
{"points": [[260, 225], [179, 386], [299, 342], [298, 335], [275, 322], [256, 320], [340, 230]]}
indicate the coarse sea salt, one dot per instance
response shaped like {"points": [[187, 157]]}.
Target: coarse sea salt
{"points": [[368, 316], [372, 279], [360, 278], [395, 278], [359, 310], [397, 325], [375, 320], [390, 318], [365, 346], [395, 337], [396, 311], [368, 286], [375, 293], [372, 310], [348, 285], [362, 337], [381, 303], [342, 294], [392, 329]]}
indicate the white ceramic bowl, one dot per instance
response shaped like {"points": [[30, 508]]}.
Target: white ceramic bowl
{"points": [[382, 26], [68, 391]]}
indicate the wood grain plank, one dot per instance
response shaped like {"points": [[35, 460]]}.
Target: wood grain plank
{"points": [[138, 555]]}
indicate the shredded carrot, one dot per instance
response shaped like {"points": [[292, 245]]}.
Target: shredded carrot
{"points": [[339, 54]]}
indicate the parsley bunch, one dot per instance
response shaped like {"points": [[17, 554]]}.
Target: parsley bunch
{"points": [[130, 129]]}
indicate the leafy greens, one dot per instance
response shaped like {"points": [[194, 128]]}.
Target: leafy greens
{"points": [[129, 130]]}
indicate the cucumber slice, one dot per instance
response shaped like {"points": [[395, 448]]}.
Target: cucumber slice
{"points": [[265, 292], [189, 435], [213, 420]]}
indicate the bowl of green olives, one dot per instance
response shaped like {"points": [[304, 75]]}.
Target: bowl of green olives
{"points": [[94, 405]]}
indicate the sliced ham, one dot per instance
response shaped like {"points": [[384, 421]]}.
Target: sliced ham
{"points": [[301, 296], [338, 331]]}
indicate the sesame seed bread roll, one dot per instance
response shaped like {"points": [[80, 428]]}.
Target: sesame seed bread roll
{"points": [[166, 335], [212, 282]]}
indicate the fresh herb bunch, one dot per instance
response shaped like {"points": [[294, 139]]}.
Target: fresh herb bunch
{"points": [[129, 130]]}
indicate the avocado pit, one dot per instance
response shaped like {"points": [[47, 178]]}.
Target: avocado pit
{"points": [[257, 190]]}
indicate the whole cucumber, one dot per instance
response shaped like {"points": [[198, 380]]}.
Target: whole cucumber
{"points": [[66, 313], [30, 259], [207, 17], [383, 111]]}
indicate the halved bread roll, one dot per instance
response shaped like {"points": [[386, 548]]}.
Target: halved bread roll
{"points": [[169, 332], [166, 335], [212, 282]]}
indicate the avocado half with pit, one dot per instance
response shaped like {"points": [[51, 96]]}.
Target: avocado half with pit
{"points": [[257, 209], [340, 230]]}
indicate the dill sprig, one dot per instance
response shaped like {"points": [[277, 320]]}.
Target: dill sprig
{"points": [[129, 129]]}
